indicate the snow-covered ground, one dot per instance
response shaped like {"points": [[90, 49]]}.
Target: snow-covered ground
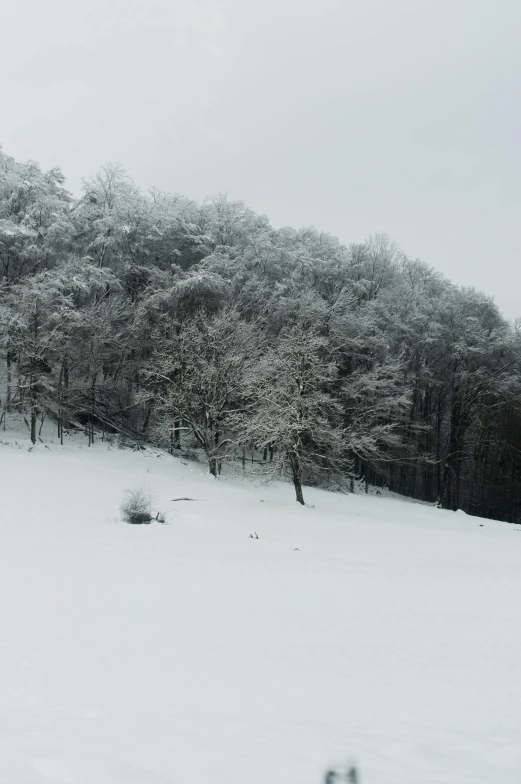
{"points": [[358, 628]]}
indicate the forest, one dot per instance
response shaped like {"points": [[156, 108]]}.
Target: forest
{"points": [[150, 318]]}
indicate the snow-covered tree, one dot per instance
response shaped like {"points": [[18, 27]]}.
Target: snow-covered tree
{"points": [[196, 379], [147, 313], [35, 225], [292, 411]]}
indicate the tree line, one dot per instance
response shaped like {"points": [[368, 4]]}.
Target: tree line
{"points": [[201, 326]]}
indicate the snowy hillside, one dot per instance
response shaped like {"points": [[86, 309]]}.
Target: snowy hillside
{"points": [[357, 628]]}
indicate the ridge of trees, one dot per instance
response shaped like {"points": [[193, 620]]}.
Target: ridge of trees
{"points": [[179, 323]]}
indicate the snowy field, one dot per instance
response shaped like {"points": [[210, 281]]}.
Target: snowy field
{"points": [[358, 628]]}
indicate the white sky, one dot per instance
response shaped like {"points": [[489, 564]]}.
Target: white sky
{"points": [[357, 116]]}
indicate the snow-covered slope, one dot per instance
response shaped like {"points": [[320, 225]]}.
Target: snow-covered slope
{"points": [[357, 628]]}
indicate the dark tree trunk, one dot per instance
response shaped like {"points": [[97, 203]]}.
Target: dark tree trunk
{"points": [[147, 417], [9, 381], [297, 478], [33, 422], [439, 421], [511, 489], [92, 413]]}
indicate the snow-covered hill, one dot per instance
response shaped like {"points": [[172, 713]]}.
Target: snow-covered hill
{"points": [[357, 628]]}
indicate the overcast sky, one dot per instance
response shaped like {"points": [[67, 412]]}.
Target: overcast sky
{"points": [[357, 116]]}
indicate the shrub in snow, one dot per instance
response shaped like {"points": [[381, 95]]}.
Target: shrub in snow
{"points": [[349, 776], [136, 507]]}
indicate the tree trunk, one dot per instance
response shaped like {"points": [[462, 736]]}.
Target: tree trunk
{"points": [[60, 406], [33, 423], [9, 381], [297, 478], [177, 434], [147, 417], [64, 395], [92, 412], [439, 422], [511, 494]]}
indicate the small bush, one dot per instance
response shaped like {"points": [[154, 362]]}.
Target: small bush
{"points": [[136, 507]]}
